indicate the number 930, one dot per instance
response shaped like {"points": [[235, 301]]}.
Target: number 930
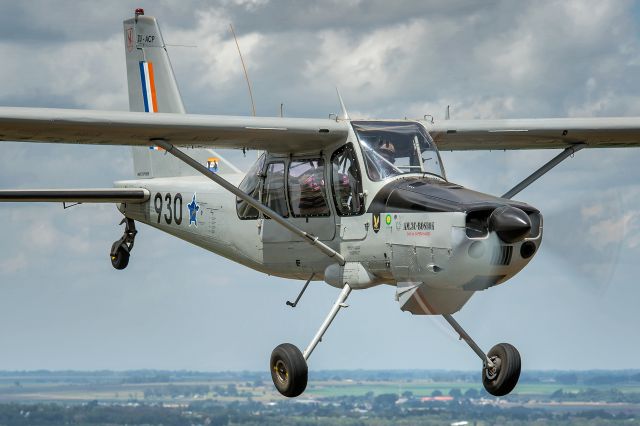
{"points": [[172, 206]]}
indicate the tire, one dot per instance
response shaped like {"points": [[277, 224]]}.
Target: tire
{"points": [[121, 259], [289, 370], [501, 380]]}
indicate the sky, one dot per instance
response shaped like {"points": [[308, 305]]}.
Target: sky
{"points": [[176, 306]]}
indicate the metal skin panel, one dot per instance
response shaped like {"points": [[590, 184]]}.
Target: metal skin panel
{"points": [[423, 300], [279, 134], [322, 227], [430, 250], [353, 228], [143, 42], [274, 134], [214, 209], [543, 133], [217, 227], [423, 229]]}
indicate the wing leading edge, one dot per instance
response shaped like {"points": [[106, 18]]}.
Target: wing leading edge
{"points": [[543, 133], [278, 134], [273, 134]]}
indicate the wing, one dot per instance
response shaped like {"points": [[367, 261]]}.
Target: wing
{"points": [[111, 195], [457, 135], [273, 134]]}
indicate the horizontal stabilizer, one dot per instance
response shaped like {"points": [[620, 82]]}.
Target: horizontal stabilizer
{"points": [[109, 195]]}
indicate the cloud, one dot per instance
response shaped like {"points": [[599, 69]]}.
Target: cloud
{"points": [[14, 264], [494, 59]]}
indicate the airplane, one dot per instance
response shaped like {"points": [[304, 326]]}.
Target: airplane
{"points": [[354, 203]]}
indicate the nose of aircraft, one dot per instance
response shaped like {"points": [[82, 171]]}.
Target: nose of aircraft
{"points": [[510, 223]]}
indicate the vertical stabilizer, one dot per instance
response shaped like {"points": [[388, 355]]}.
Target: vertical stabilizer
{"points": [[153, 88], [152, 85]]}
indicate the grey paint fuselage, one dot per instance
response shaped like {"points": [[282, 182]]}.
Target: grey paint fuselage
{"points": [[421, 252]]}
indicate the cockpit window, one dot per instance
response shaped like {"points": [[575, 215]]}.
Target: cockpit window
{"points": [[346, 181], [307, 194], [393, 148], [250, 185]]}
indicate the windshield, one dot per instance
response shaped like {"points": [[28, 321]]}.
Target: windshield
{"points": [[392, 148]]}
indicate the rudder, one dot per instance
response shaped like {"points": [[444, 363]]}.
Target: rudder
{"points": [[153, 88]]}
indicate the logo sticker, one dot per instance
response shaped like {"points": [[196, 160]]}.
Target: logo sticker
{"points": [[387, 219], [376, 222], [148, 87], [193, 211], [213, 164], [130, 39], [419, 229]]}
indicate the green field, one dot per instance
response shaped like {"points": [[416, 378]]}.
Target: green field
{"points": [[185, 387], [323, 389]]}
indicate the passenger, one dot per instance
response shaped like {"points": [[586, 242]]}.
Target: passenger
{"points": [[312, 202]]}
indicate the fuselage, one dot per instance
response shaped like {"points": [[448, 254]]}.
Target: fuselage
{"points": [[394, 221]]}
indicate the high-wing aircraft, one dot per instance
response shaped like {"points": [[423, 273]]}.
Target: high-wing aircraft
{"points": [[354, 203]]}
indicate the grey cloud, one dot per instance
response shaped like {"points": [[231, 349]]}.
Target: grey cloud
{"points": [[175, 305]]}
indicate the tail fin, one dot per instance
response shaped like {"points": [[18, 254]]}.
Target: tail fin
{"points": [[149, 68], [153, 88]]}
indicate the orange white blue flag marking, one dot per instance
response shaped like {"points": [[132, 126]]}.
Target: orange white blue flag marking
{"points": [[148, 87]]}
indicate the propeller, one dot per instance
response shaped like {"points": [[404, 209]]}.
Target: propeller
{"points": [[585, 221], [587, 234]]}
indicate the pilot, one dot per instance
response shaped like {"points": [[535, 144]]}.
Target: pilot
{"points": [[387, 150]]}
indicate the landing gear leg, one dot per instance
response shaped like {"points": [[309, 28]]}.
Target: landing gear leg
{"points": [[500, 367], [289, 368], [121, 249]]}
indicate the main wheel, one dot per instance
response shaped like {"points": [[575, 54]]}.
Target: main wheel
{"points": [[503, 376], [121, 259], [289, 370]]}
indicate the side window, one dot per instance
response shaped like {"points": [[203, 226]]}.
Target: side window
{"points": [[307, 192], [346, 182], [273, 191], [250, 185]]}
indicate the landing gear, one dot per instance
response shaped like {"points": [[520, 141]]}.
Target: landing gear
{"points": [[289, 366], [500, 367], [500, 379], [121, 249], [289, 370], [120, 259]]}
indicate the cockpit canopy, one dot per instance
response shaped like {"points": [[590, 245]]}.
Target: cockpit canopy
{"points": [[393, 148]]}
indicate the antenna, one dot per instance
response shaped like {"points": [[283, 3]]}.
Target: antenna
{"points": [[447, 113], [344, 115], [244, 68]]}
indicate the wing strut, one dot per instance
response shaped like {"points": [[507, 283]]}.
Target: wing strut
{"points": [[306, 236], [568, 151]]}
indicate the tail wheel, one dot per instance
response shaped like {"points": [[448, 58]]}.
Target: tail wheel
{"points": [[289, 370], [120, 259], [500, 379]]}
